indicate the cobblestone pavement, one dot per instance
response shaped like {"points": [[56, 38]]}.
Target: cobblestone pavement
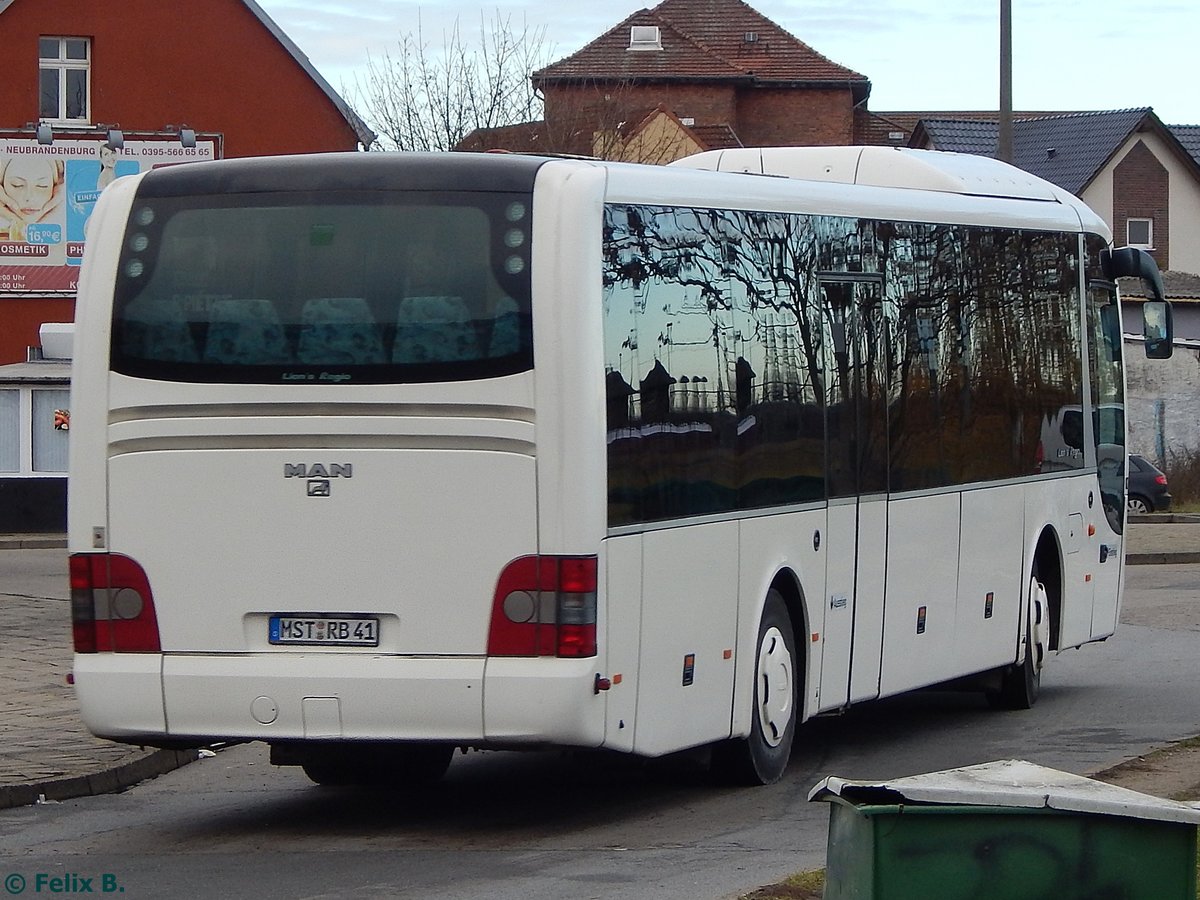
{"points": [[45, 750]]}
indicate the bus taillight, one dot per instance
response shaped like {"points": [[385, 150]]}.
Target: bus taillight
{"points": [[545, 606], [112, 608]]}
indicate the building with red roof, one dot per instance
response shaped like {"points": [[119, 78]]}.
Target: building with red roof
{"points": [[727, 74]]}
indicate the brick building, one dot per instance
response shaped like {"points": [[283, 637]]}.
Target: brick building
{"points": [[93, 92], [218, 73], [724, 73]]}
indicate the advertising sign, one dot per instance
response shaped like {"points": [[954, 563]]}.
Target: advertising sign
{"points": [[47, 194]]}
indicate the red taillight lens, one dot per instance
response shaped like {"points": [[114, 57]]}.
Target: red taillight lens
{"points": [[545, 606], [1160, 479], [112, 608]]}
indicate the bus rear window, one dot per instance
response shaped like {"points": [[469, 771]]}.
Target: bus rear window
{"points": [[328, 287]]}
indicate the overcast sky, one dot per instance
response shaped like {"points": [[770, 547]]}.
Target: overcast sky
{"points": [[918, 54]]}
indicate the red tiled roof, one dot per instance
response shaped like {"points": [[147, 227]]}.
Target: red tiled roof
{"points": [[716, 137], [701, 39], [1176, 286], [526, 137], [711, 137], [879, 130]]}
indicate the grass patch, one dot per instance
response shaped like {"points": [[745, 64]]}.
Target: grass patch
{"points": [[801, 886]]}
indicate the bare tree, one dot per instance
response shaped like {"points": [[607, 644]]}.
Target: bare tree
{"points": [[419, 97]]}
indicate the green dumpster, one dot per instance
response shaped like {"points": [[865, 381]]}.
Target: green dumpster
{"points": [[1007, 830]]}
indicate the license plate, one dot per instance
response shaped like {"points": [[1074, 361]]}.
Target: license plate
{"points": [[336, 631]]}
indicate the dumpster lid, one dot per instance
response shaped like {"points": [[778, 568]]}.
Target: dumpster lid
{"points": [[1008, 783]]}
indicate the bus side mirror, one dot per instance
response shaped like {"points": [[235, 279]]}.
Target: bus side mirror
{"points": [[1132, 262], [1157, 329]]}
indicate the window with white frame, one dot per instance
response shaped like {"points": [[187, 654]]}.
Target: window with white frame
{"points": [[64, 78], [10, 430], [1140, 233], [34, 435], [49, 438]]}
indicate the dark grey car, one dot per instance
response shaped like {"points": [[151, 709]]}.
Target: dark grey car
{"points": [[1147, 487]]}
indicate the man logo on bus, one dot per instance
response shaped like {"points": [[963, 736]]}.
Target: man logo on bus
{"points": [[319, 470], [318, 475]]}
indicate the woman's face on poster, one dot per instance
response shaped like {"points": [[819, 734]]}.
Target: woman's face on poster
{"points": [[30, 184]]}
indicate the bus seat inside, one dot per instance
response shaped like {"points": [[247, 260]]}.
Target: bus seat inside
{"points": [[339, 330]]}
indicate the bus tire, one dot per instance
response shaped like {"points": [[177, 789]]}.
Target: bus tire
{"points": [[762, 757], [1020, 684], [387, 766]]}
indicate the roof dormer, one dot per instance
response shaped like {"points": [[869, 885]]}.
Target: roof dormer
{"points": [[645, 37]]}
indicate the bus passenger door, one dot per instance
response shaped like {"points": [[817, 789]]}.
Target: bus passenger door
{"points": [[855, 350]]}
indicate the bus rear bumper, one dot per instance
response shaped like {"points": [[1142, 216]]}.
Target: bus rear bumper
{"points": [[120, 695], [179, 699], [323, 696], [543, 700]]}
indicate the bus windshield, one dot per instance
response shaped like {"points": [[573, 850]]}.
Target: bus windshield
{"points": [[324, 286]]}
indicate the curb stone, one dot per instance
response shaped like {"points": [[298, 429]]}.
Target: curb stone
{"points": [[110, 781], [1162, 559]]}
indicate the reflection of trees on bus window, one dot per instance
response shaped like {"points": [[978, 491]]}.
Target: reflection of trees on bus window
{"points": [[967, 350]]}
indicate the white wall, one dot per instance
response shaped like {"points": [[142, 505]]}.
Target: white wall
{"points": [[1163, 398]]}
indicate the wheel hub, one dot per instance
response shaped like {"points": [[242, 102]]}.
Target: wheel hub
{"points": [[775, 686]]}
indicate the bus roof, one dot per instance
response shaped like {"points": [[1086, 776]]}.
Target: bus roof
{"points": [[347, 172], [897, 167]]}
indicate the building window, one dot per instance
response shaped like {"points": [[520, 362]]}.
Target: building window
{"points": [[1140, 233], [63, 77], [49, 441], [10, 431]]}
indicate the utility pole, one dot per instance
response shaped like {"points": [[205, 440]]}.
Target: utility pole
{"points": [[1004, 148]]}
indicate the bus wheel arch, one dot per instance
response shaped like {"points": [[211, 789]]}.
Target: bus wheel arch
{"points": [[1020, 683], [779, 672], [787, 584], [1047, 568]]}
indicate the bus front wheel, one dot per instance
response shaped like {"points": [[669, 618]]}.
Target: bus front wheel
{"points": [[762, 757]]}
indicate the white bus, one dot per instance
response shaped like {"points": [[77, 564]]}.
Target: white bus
{"points": [[375, 456]]}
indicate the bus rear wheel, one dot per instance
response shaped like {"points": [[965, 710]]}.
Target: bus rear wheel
{"points": [[1020, 684], [379, 765], [762, 757]]}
